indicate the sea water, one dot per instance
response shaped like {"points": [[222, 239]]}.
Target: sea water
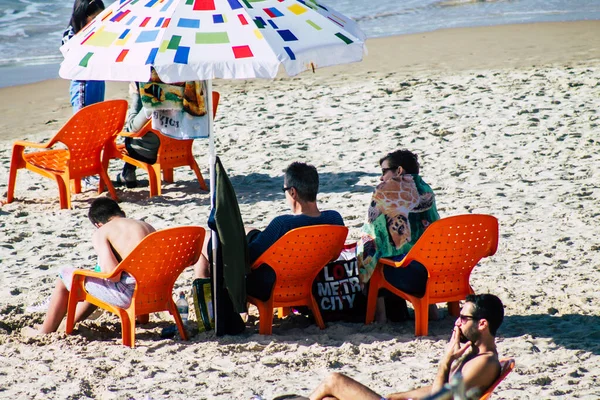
{"points": [[31, 30]]}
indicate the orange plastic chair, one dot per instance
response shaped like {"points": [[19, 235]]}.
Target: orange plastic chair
{"points": [[172, 153], [155, 263], [297, 257], [507, 365], [84, 135], [449, 249]]}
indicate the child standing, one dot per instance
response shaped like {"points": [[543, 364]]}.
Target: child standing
{"points": [[84, 93]]}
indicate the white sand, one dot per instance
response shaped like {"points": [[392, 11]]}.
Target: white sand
{"points": [[518, 141]]}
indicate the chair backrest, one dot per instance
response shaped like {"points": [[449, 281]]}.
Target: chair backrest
{"points": [[158, 260], [299, 255], [507, 365], [171, 150], [450, 248], [86, 133]]}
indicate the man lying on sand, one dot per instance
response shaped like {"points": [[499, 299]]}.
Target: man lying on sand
{"points": [[476, 358], [115, 238]]}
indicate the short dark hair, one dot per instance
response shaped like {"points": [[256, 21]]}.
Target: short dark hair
{"points": [[103, 209], [408, 160], [304, 178], [82, 9], [488, 307]]}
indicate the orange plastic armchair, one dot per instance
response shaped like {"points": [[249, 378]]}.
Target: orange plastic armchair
{"points": [[449, 249], [297, 257], [172, 153], [507, 365], [84, 136], [155, 263]]}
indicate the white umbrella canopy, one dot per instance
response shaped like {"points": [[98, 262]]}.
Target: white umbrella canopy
{"points": [[189, 40]]}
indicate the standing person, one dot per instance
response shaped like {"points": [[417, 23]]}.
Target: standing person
{"points": [[401, 208], [115, 238], [84, 93], [142, 148], [471, 350]]}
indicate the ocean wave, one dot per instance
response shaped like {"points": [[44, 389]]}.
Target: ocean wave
{"points": [[37, 60], [453, 3]]}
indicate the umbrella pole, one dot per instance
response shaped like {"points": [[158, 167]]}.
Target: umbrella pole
{"points": [[212, 163]]}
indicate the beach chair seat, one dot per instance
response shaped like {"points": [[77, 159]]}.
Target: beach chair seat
{"points": [[297, 257], [449, 249], [155, 263], [172, 153], [507, 365], [85, 134]]}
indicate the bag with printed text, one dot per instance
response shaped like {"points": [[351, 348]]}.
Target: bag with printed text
{"points": [[337, 289]]}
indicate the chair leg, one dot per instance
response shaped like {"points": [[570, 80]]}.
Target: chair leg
{"points": [[421, 316], [454, 308], [128, 327], [16, 163], [196, 169], [374, 286], [76, 186], [168, 175], [111, 189], [154, 180], [178, 320], [64, 191], [316, 312]]}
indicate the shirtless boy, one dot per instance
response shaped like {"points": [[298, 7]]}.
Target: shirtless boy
{"points": [[471, 350], [115, 238]]}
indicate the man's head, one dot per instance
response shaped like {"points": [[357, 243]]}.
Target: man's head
{"points": [[480, 313], [103, 209], [304, 179], [397, 163]]}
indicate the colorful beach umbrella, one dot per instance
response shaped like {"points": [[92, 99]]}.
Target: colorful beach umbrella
{"points": [[189, 40], [192, 40]]}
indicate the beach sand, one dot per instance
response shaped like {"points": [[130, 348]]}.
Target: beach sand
{"points": [[505, 121]]}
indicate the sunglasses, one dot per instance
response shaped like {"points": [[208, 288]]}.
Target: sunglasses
{"points": [[285, 189], [385, 170], [465, 318]]}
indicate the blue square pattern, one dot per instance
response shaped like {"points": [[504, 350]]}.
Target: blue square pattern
{"points": [[188, 23], [287, 35], [218, 19], [147, 36]]}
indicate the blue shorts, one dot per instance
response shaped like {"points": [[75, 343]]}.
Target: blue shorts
{"points": [[84, 93]]}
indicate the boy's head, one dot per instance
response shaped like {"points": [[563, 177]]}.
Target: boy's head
{"points": [[103, 209], [304, 178]]}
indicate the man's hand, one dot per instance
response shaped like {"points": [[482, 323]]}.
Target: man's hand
{"points": [[454, 350]]}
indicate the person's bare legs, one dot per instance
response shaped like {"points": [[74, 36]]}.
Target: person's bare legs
{"points": [[57, 309], [202, 266], [339, 386]]}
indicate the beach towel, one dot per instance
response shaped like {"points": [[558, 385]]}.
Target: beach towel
{"points": [[400, 211]]}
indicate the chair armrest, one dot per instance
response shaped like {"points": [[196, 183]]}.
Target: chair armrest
{"points": [[396, 264], [94, 274], [133, 134], [24, 143]]}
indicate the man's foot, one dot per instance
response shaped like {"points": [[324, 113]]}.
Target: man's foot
{"points": [[129, 183]]}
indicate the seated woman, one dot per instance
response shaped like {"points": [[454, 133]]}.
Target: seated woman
{"points": [[401, 208]]}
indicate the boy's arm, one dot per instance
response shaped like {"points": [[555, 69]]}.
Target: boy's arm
{"points": [[454, 350], [106, 257]]}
